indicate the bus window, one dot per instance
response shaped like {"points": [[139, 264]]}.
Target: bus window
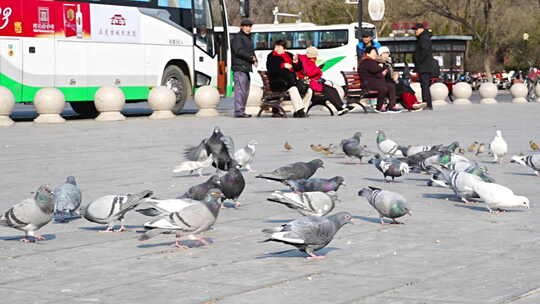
{"points": [[179, 12], [260, 41], [287, 36], [203, 25], [173, 3], [332, 39], [303, 39]]}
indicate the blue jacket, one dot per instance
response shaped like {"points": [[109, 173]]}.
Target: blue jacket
{"points": [[360, 47]]}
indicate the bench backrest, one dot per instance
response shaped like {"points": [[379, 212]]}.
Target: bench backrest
{"points": [[352, 80], [266, 81]]}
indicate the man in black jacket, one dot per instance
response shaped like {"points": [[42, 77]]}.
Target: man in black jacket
{"points": [[243, 57], [423, 61]]}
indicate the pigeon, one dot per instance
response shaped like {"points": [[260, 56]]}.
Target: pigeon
{"points": [[112, 208], [160, 207], [295, 171], [534, 146], [309, 233], [316, 184], [232, 185], [316, 148], [480, 149], [287, 147], [388, 146], [498, 147], [31, 214], [219, 146], [307, 203], [246, 155], [191, 220], [192, 165], [199, 192], [472, 168], [392, 167], [531, 160], [462, 183], [67, 200], [387, 203], [412, 150], [473, 147], [352, 148], [498, 197]]}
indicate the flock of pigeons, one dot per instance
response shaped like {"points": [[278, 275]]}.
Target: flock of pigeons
{"points": [[197, 210]]}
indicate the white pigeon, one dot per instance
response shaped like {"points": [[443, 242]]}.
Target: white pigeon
{"points": [[531, 160], [498, 147], [387, 146], [197, 166], [307, 203], [245, 156], [498, 197], [412, 150]]}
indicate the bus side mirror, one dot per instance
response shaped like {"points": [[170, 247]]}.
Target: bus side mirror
{"points": [[244, 8]]}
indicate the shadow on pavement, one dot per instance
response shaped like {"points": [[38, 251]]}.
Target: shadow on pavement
{"points": [[294, 253], [48, 237]]}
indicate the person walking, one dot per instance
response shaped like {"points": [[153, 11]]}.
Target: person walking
{"points": [[423, 61], [373, 76], [243, 57]]}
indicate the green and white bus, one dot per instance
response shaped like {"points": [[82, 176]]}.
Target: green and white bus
{"points": [[336, 43], [80, 46]]}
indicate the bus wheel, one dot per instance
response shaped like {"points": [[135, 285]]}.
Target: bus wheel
{"points": [[175, 79], [85, 108]]}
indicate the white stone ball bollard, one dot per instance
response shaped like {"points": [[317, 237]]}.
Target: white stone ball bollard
{"points": [[488, 91], [7, 102], [49, 103], [109, 101], [417, 88], [253, 105], [207, 98], [161, 100], [462, 92], [439, 92], [519, 92], [537, 92]]}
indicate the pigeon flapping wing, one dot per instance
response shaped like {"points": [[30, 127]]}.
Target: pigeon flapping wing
{"points": [[196, 153]]}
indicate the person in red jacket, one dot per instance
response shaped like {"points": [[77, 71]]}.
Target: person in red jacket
{"points": [[311, 71], [373, 76]]}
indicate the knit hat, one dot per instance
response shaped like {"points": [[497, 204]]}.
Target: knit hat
{"points": [[312, 52], [383, 49]]}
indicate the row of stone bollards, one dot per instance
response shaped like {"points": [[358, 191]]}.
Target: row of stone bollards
{"points": [[109, 101], [462, 93]]}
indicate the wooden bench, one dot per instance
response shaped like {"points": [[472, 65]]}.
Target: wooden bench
{"points": [[318, 100], [272, 100], [354, 92]]}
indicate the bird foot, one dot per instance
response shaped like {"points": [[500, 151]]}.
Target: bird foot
{"points": [[178, 244], [203, 241], [396, 223], [122, 229], [27, 240], [315, 257]]}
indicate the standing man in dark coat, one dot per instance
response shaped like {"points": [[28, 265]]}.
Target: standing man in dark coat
{"points": [[243, 57], [423, 61]]}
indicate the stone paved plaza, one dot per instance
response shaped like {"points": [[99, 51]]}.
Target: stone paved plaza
{"points": [[447, 252]]}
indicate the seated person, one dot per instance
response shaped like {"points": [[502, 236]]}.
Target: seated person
{"points": [[281, 66], [311, 71], [404, 93], [372, 76]]}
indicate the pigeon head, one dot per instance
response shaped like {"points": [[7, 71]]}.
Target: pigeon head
{"points": [[453, 146], [341, 218], [214, 180], [520, 159], [380, 136], [523, 201], [366, 192], [374, 159], [340, 180], [357, 135], [71, 180], [216, 130], [252, 142], [44, 198], [317, 163], [499, 133]]}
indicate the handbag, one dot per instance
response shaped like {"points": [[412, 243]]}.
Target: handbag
{"points": [[302, 85]]}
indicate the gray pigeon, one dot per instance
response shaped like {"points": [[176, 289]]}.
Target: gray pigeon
{"points": [[67, 200], [220, 147], [295, 171], [352, 148], [307, 203], [232, 184], [31, 214], [309, 233], [531, 160], [112, 208], [246, 155], [461, 182], [387, 203], [472, 168], [198, 192], [157, 207], [191, 220], [389, 166], [316, 184]]}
